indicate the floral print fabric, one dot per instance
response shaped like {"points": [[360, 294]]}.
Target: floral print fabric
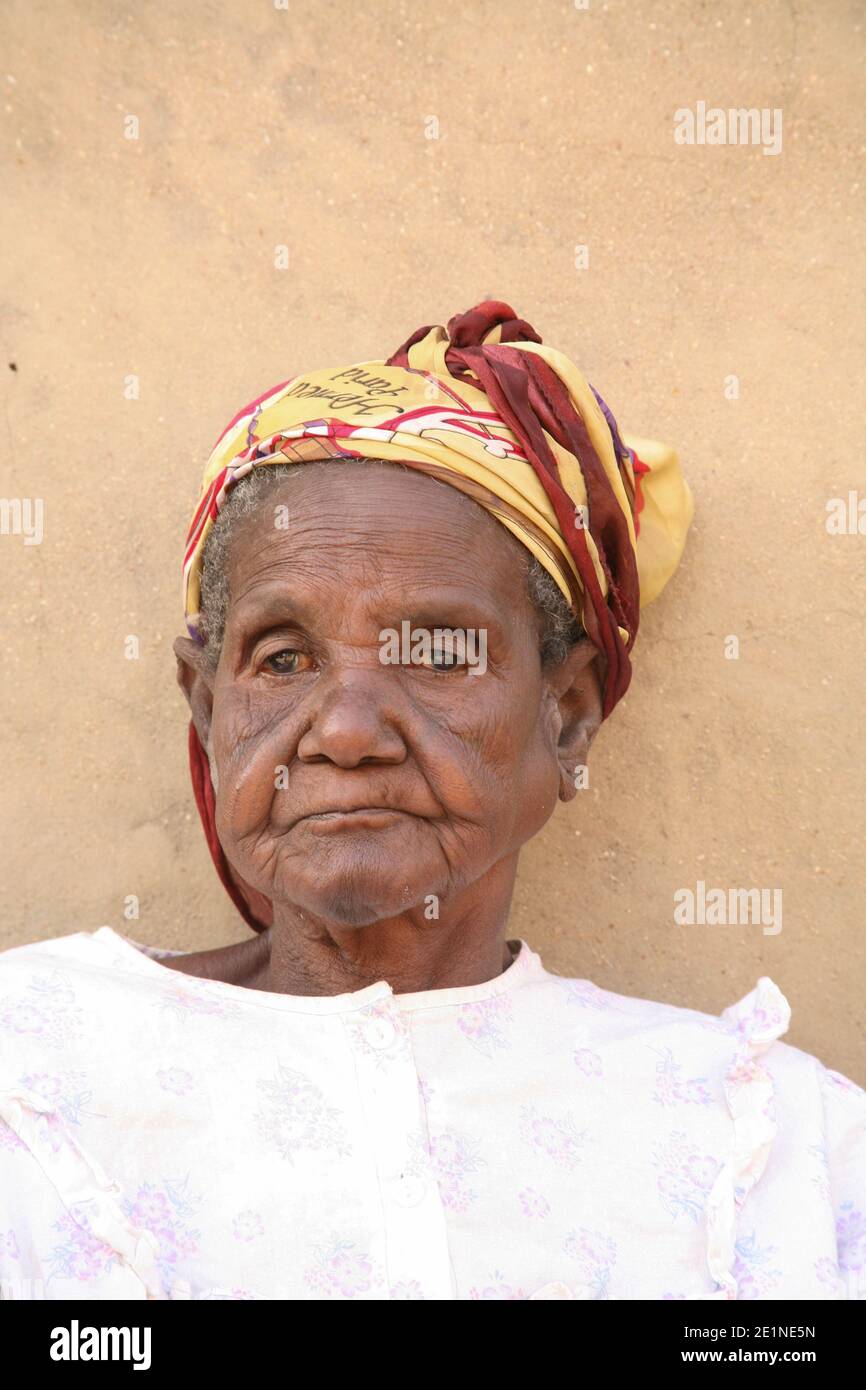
{"points": [[532, 1137]]}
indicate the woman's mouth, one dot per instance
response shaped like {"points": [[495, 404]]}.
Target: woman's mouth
{"points": [[359, 818]]}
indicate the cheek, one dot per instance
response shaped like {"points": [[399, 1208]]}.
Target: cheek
{"points": [[533, 769], [250, 743], [477, 749], [539, 780], [517, 772]]}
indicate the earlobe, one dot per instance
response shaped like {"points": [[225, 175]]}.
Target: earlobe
{"points": [[195, 678]]}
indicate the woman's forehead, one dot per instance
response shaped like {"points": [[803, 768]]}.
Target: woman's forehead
{"points": [[334, 524]]}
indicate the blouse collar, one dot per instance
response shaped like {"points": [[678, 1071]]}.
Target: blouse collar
{"points": [[525, 965]]}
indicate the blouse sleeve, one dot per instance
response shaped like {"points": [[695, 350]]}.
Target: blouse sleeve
{"points": [[845, 1133], [62, 1233], [44, 1252]]}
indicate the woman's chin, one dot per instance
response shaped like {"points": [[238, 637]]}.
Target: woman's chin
{"points": [[352, 904], [354, 873], [358, 893]]}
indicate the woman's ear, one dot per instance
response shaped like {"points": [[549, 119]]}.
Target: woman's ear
{"points": [[195, 676], [576, 685]]}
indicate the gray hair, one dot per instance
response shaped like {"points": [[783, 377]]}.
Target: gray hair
{"points": [[560, 630]]}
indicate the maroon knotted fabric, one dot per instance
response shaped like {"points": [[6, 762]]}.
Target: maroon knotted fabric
{"points": [[529, 398]]}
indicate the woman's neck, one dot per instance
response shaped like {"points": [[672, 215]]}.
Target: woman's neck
{"points": [[413, 952]]}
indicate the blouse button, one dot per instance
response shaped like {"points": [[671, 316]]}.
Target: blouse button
{"points": [[379, 1033]]}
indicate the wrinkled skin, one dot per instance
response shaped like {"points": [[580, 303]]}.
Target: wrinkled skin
{"points": [[463, 768]]}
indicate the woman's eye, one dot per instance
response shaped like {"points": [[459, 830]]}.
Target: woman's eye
{"points": [[287, 662], [445, 659]]}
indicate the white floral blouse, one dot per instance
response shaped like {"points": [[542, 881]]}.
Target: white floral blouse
{"points": [[532, 1137]]}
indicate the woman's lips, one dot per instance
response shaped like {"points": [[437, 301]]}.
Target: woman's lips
{"points": [[361, 818]]}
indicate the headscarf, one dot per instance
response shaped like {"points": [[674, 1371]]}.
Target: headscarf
{"points": [[484, 406]]}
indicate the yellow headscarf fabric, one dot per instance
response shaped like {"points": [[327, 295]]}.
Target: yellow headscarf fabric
{"points": [[486, 407]]}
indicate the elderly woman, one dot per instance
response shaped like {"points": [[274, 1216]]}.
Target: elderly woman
{"points": [[412, 590]]}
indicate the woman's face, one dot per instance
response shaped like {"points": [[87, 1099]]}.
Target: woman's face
{"points": [[354, 789]]}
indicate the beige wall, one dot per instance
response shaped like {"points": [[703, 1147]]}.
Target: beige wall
{"points": [[155, 257]]}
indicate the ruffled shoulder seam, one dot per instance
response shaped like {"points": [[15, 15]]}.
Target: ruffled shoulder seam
{"points": [[757, 1021], [79, 1179]]}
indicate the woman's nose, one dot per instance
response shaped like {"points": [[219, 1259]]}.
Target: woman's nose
{"points": [[354, 722]]}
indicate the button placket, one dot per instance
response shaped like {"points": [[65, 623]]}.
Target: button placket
{"points": [[410, 1190], [414, 1229]]}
